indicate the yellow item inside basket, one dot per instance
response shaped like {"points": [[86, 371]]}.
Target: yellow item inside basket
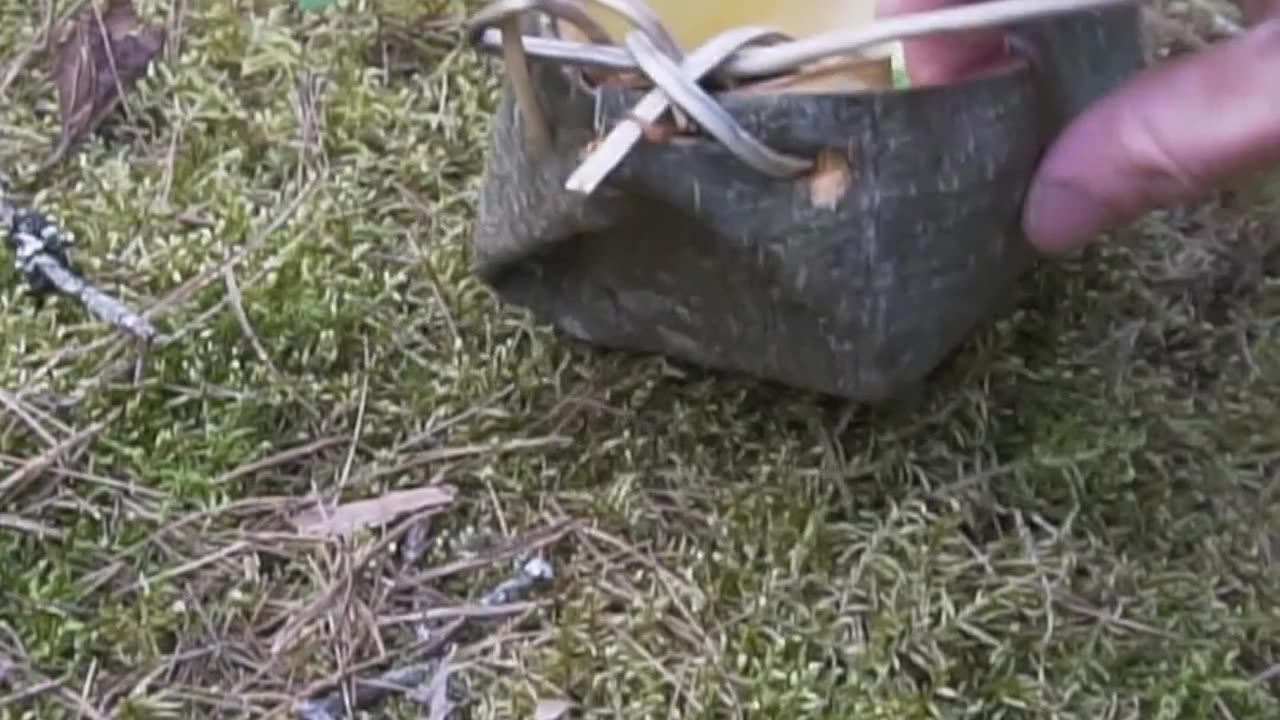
{"points": [[693, 22]]}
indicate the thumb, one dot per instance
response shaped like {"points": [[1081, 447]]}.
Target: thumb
{"points": [[1171, 135]]}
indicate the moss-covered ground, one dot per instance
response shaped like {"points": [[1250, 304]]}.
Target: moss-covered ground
{"points": [[1078, 518]]}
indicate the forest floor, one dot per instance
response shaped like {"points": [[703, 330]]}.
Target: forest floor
{"points": [[1079, 518]]}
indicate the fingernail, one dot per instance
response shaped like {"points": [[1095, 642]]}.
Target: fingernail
{"points": [[1062, 217]]}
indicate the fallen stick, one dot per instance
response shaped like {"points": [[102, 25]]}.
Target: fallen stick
{"points": [[409, 678], [39, 248]]}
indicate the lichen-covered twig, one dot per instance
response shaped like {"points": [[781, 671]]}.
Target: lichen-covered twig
{"points": [[39, 248], [533, 572]]}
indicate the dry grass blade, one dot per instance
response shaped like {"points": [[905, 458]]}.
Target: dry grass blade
{"points": [[410, 461], [15, 406], [351, 517], [18, 479], [284, 457], [190, 566], [38, 686], [40, 530]]}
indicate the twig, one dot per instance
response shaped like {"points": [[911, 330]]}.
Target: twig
{"points": [[367, 692], [483, 610], [1266, 676], [405, 679], [191, 286], [460, 452], [358, 432], [236, 301], [99, 480], [39, 685], [187, 567], [411, 551], [14, 405], [533, 572], [284, 457], [20, 477], [435, 429], [40, 530], [526, 543], [40, 249]]}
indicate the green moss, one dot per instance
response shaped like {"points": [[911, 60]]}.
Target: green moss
{"points": [[1076, 518]]}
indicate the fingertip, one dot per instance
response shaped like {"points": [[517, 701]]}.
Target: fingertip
{"points": [[1061, 218], [1169, 136]]}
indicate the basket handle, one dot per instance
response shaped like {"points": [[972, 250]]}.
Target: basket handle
{"points": [[753, 51]]}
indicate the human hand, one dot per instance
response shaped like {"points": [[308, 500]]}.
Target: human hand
{"points": [[1172, 134]]}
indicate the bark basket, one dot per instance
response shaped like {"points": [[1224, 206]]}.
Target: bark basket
{"points": [[856, 279]]}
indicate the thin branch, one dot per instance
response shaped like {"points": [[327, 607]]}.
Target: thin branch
{"points": [[18, 479], [40, 248], [502, 599]]}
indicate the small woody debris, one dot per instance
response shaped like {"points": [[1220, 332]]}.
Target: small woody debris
{"points": [[41, 255], [427, 681], [830, 180]]}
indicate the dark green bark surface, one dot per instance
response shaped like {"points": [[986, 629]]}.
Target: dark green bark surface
{"points": [[687, 252]]}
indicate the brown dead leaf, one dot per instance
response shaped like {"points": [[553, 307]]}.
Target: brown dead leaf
{"points": [[350, 517], [98, 57]]}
